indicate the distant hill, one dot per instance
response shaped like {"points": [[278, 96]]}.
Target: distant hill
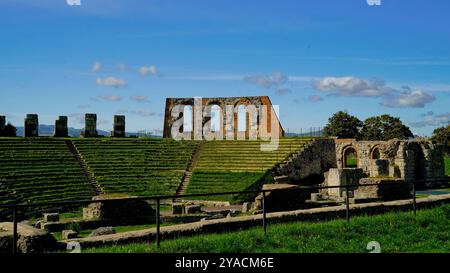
{"points": [[48, 130]]}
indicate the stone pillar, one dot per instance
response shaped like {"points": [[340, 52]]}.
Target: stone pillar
{"points": [[61, 127], [2, 123], [90, 127], [31, 128], [118, 126]]}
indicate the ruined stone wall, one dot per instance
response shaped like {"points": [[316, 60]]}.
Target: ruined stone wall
{"points": [[2, 123], [228, 117], [31, 126], [90, 127], [407, 159], [118, 126], [314, 159], [61, 129]]}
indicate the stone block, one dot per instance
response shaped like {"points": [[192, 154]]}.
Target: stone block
{"points": [[102, 231], [118, 126], [246, 207], [192, 209], [31, 125], [69, 234], [61, 129], [90, 127], [284, 197], [31, 239], [51, 217], [178, 208], [119, 210]]}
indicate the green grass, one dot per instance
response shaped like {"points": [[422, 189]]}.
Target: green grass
{"points": [[396, 232], [447, 165]]}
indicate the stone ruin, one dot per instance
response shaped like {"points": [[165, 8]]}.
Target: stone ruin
{"points": [[2, 123], [130, 210], [258, 123], [90, 127], [324, 162], [118, 126], [384, 163], [31, 126], [61, 129]]}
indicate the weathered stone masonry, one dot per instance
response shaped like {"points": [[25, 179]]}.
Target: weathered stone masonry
{"points": [[253, 125], [31, 125], [61, 129]]}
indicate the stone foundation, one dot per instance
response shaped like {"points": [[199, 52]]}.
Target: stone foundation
{"points": [[122, 211], [387, 189], [342, 177], [30, 240], [292, 198]]}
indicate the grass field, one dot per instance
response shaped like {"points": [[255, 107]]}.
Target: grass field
{"points": [[396, 232]]}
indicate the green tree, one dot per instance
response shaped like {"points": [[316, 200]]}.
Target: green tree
{"points": [[384, 127], [342, 125], [442, 135], [8, 131]]}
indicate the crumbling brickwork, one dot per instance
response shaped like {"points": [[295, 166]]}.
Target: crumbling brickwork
{"points": [[258, 125]]}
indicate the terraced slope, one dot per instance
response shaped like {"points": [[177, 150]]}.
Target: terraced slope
{"points": [[238, 165], [136, 166], [40, 170]]}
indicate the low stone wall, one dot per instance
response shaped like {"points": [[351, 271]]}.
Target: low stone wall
{"points": [[238, 223], [126, 211], [284, 197], [314, 159], [387, 189], [30, 240]]}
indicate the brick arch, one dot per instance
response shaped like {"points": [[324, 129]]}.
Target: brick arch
{"points": [[241, 102], [344, 154], [375, 152]]}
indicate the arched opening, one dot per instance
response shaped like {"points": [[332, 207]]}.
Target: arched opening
{"points": [[216, 114], [242, 118], [187, 119], [349, 158], [375, 153]]}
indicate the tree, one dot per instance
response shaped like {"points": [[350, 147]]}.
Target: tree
{"points": [[8, 131], [442, 135], [342, 125], [384, 127]]}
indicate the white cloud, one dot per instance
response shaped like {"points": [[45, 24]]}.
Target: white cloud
{"points": [[417, 99], [139, 98], [121, 67], [148, 70], [143, 113], [110, 98], [267, 81], [283, 91], [111, 81], [352, 86], [430, 119], [391, 97], [96, 66], [315, 98]]}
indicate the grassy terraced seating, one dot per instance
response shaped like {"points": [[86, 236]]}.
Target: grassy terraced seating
{"points": [[137, 166], [40, 170], [238, 165]]}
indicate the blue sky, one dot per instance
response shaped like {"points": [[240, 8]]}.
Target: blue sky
{"points": [[312, 58]]}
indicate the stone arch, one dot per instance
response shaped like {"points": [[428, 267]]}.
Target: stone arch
{"points": [[239, 104], [375, 152], [349, 157]]}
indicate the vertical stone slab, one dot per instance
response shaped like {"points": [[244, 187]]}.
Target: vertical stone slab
{"points": [[31, 126], [118, 126], [2, 123], [61, 129], [90, 127]]}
